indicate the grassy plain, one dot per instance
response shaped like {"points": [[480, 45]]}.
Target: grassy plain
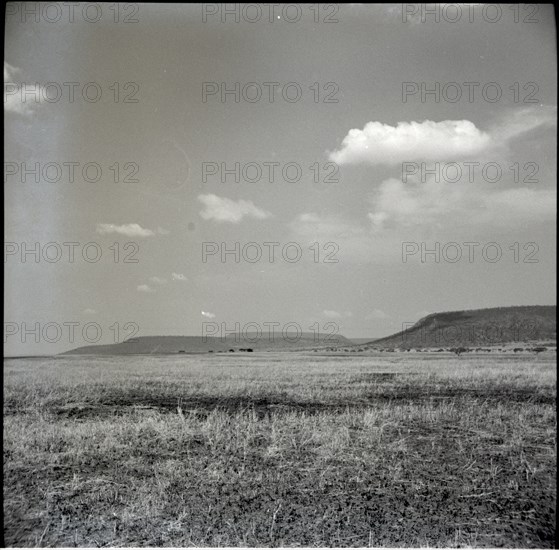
{"points": [[281, 449]]}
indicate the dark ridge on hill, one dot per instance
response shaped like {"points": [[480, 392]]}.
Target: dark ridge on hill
{"points": [[161, 345], [476, 327]]}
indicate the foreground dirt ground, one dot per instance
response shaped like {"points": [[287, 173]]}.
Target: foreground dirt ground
{"points": [[284, 449]]}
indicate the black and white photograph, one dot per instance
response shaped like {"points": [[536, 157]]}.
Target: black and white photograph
{"points": [[279, 275]]}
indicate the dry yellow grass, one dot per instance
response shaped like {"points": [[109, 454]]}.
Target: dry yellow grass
{"points": [[280, 450]]}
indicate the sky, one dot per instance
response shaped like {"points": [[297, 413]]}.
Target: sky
{"points": [[370, 170]]}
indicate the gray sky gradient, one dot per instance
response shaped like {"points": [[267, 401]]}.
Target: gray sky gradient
{"points": [[170, 132]]}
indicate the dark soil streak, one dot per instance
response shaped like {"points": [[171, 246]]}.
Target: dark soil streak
{"points": [[119, 405]]}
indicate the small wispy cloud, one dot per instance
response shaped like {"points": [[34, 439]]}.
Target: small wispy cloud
{"points": [[207, 314], [158, 280], [10, 72], [129, 229], [89, 311], [221, 209], [178, 277], [396, 204], [145, 288], [14, 100], [331, 314], [376, 314]]}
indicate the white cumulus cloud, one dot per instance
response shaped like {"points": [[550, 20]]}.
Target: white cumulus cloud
{"points": [[207, 314], [380, 143], [178, 277], [448, 140]]}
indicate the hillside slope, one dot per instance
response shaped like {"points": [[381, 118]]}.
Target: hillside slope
{"points": [[476, 328]]}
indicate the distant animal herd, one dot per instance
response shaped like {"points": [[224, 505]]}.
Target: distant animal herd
{"points": [[457, 351]]}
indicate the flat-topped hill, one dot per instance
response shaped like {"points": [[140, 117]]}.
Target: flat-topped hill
{"points": [[150, 345]]}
